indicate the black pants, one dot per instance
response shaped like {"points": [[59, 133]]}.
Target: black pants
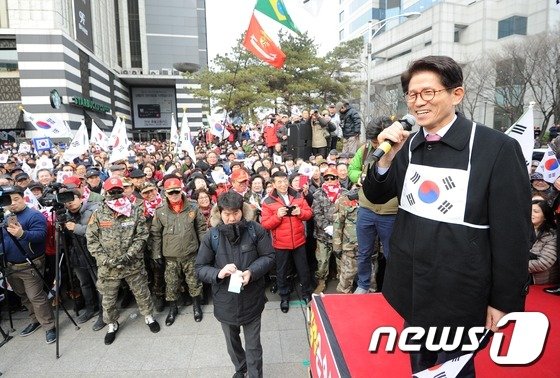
{"points": [[332, 143], [299, 257], [87, 285], [250, 359], [319, 151]]}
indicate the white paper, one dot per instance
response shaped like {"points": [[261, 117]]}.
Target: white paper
{"points": [[235, 282]]}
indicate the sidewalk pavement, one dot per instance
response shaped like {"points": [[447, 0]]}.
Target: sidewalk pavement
{"points": [[186, 349]]}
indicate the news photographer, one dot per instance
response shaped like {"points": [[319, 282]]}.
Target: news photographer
{"points": [[28, 228], [75, 216]]}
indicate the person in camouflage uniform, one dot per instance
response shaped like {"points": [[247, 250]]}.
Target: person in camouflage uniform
{"points": [[324, 212], [116, 235], [345, 241], [176, 231]]}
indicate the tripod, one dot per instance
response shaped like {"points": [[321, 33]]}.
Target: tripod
{"points": [[45, 284]]}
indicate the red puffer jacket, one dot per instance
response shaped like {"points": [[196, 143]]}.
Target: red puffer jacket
{"points": [[269, 134], [288, 232]]}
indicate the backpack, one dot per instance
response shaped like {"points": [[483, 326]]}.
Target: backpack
{"points": [[215, 236]]}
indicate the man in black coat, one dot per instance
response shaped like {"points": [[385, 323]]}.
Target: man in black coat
{"points": [[351, 124], [460, 243], [238, 251]]}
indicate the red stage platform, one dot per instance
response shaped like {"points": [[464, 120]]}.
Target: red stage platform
{"points": [[341, 327]]}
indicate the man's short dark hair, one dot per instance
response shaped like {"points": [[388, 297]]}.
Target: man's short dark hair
{"points": [[230, 200], [376, 125], [448, 70], [278, 173]]}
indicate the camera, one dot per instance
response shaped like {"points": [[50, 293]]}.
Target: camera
{"points": [[290, 210], [52, 197]]}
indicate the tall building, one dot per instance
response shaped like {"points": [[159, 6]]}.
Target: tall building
{"points": [[462, 29], [103, 59]]}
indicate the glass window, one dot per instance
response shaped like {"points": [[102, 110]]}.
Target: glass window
{"points": [[341, 16], [8, 60], [341, 34], [512, 25], [134, 32]]}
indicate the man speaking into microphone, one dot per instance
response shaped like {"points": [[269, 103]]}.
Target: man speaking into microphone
{"points": [[460, 241]]}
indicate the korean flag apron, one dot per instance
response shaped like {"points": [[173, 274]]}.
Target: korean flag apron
{"points": [[439, 194]]}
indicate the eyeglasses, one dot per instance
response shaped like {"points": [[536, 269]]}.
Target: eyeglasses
{"points": [[173, 192], [425, 94], [330, 178]]}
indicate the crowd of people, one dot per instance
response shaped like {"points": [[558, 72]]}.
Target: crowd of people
{"points": [[240, 213]]}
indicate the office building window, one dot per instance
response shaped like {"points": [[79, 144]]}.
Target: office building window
{"points": [[512, 25], [118, 32], [341, 34], [341, 16], [134, 28]]}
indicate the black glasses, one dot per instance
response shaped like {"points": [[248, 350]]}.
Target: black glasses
{"points": [[115, 192], [330, 178], [173, 192], [425, 94]]}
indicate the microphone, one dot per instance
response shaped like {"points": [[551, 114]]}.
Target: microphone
{"points": [[407, 122]]}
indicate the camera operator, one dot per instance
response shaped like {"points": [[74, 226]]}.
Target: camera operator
{"points": [[75, 216], [29, 227]]}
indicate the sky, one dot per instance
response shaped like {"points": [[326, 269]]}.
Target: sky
{"points": [[228, 19]]}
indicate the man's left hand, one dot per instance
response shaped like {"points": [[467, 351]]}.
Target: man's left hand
{"points": [[493, 316], [245, 277], [15, 229], [296, 211], [70, 226]]}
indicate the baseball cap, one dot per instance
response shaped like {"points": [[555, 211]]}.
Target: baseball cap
{"points": [[148, 186], [12, 189], [72, 180], [35, 185], [333, 152], [112, 183], [172, 183], [92, 172], [537, 176], [331, 171], [21, 176], [126, 181], [137, 173], [116, 167], [332, 105], [344, 155], [239, 175]]}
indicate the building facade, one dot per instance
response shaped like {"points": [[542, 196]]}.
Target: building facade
{"points": [[462, 29], [104, 59]]}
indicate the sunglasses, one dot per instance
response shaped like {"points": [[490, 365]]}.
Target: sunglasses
{"points": [[173, 192], [330, 178], [115, 192]]}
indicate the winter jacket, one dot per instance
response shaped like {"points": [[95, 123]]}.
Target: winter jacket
{"points": [[355, 175], [544, 268], [117, 241], [248, 253], [288, 232], [350, 122], [318, 135], [79, 254], [324, 212], [177, 234], [34, 226], [448, 274], [269, 134]]}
